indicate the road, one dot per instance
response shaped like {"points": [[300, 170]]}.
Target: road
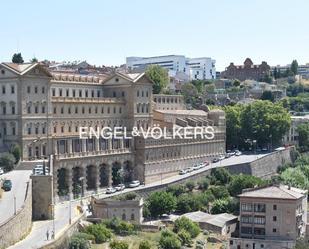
{"points": [[37, 237], [19, 180]]}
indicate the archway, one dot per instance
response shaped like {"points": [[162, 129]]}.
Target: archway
{"points": [[117, 173], [62, 181], [91, 176], [104, 173], [77, 173]]}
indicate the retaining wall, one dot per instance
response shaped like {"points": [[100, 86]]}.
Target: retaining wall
{"points": [[18, 226]]}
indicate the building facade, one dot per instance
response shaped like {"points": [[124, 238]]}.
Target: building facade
{"points": [[195, 68], [44, 113], [271, 217], [291, 137], [246, 71]]}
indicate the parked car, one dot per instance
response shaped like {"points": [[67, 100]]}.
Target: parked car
{"points": [[183, 172], [237, 153], [134, 184], [1, 171], [264, 149], [196, 167], [7, 185], [110, 190], [221, 157], [120, 187], [206, 163], [215, 160]]}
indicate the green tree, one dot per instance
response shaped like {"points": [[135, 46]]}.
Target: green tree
{"points": [[190, 185], [219, 191], [188, 203], [219, 176], [159, 76], [189, 93], [236, 83], [265, 122], [294, 67], [17, 58], [268, 95], [7, 161], [301, 244], [16, 152], [303, 136], [99, 231], [176, 190], [117, 244], [188, 225], [203, 184], [225, 205], [34, 60], [169, 240], [296, 177], [241, 181], [184, 237], [145, 244], [119, 226], [160, 203]]}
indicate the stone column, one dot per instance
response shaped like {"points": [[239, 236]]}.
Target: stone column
{"points": [[55, 147], [70, 147], [121, 144], [97, 144], [109, 144], [110, 177], [84, 145]]}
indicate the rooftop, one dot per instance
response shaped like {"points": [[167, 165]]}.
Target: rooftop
{"points": [[275, 192]]}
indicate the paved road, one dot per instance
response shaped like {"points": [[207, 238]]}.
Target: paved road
{"points": [[37, 237], [19, 180]]}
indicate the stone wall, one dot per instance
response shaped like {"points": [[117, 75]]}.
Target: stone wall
{"points": [[264, 167], [17, 227]]}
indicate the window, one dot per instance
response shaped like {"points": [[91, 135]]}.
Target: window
{"points": [[89, 110], [80, 93], [36, 109], [120, 110], [2, 71], [137, 93], [132, 217], [60, 92], [69, 110], [76, 109], [246, 230], [274, 207], [3, 89], [61, 110], [123, 217], [29, 109], [43, 130], [62, 129], [29, 130], [70, 128], [246, 219], [36, 130], [96, 109], [13, 109], [67, 92], [122, 94], [55, 129], [98, 94], [43, 89], [55, 110], [247, 207], [13, 131], [92, 93], [274, 218], [146, 93], [43, 109], [259, 208], [86, 93], [274, 230], [4, 110], [73, 92], [28, 89], [12, 89], [53, 92], [114, 94], [108, 110], [259, 231], [114, 109], [83, 110], [142, 93], [259, 220], [102, 109], [35, 89]]}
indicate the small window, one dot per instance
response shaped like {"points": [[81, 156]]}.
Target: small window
{"points": [[2, 71], [73, 92], [137, 93], [12, 89], [29, 130], [35, 89], [13, 109], [62, 129], [29, 109], [36, 130], [76, 109], [3, 89], [36, 109], [60, 92], [122, 94], [28, 89], [274, 230], [54, 92], [274, 218], [274, 207], [43, 109], [92, 93], [68, 92], [55, 110], [116, 79], [43, 89], [114, 94], [86, 93]]}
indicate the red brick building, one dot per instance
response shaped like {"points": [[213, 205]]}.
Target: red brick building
{"points": [[246, 71]]}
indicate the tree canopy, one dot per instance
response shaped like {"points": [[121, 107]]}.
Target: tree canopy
{"points": [[161, 202], [17, 58], [159, 76]]}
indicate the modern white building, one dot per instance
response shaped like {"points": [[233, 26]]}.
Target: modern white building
{"points": [[195, 68]]}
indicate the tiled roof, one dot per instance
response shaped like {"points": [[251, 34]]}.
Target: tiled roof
{"points": [[275, 192]]}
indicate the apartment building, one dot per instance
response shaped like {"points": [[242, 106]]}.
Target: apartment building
{"points": [[291, 137], [43, 112], [195, 68], [271, 217]]}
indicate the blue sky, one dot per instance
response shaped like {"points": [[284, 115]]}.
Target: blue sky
{"points": [[105, 32]]}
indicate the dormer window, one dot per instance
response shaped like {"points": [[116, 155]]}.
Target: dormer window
{"points": [[116, 79]]}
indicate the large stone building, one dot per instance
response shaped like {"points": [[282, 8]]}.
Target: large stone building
{"points": [[271, 217], [246, 71], [43, 113]]}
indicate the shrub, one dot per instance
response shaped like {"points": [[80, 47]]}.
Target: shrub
{"points": [[188, 203], [188, 225], [190, 185], [240, 182], [219, 192], [185, 237], [79, 243], [145, 244], [220, 176], [85, 236], [204, 184], [117, 244], [7, 161], [169, 240], [99, 231], [120, 227], [16, 152], [176, 190]]}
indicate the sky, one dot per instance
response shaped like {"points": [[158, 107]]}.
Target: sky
{"points": [[106, 32]]}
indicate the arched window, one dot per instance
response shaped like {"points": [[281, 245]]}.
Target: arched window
{"points": [[132, 217], [123, 216]]}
